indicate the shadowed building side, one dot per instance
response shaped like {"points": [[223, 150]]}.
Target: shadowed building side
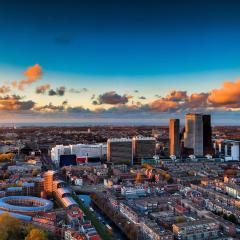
{"points": [[143, 148], [198, 134], [119, 150], [207, 135]]}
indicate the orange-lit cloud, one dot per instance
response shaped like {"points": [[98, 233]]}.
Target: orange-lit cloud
{"points": [[197, 100], [227, 96], [32, 74], [177, 96], [15, 103], [64, 107], [50, 108], [43, 88], [179, 100], [5, 89], [163, 105]]}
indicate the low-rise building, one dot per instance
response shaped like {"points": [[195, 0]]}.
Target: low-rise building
{"points": [[133, 191], [152, 231], [199, 229]]}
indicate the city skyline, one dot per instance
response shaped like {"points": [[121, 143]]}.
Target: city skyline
{"points": [[135, 62]]}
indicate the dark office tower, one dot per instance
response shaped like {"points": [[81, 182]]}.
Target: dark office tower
{"points": [[207, 135], [119, 150], [174, 141], [143, 148]]}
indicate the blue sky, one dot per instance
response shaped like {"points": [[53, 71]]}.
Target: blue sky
{"points": [[154, 47], [121, 38]]}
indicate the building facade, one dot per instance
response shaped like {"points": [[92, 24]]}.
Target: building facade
{"points": [[80, 150], [49, 178], [119, 150], [143, 148], [199, 230], [174, 141], [198, 134], [227, 149]]}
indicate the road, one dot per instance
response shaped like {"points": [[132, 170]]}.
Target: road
{"points": [[47, 162]]}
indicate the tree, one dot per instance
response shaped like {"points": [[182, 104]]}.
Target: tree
{"points": [[147, 166], [110, 172], [64, 172], [153, 179], [191, 173], [170, 181], [35, 172], [10, 227], [167, 176], [36, 234], [232, 218], [225, 216], [138, 178], [230, 172], [6, 157], [180, 219], [5, 175]]}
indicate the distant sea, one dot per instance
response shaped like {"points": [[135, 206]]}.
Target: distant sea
{"points": [[82, 124], [106, 123]]}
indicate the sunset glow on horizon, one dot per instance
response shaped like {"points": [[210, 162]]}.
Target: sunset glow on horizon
{"points": [[119, 61]]}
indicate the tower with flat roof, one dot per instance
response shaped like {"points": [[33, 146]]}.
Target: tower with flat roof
{"points": [[174, 141], [143, 148], [119, 150], [49, 177], [198, 133], [207, 135]]}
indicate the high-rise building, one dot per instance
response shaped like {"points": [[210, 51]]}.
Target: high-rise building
{"points": [[174, 141], [130, 151], [119, 150], [207, 135], [49, 177], [193, 136], [143, 148], [39, 186], [198, 134]]}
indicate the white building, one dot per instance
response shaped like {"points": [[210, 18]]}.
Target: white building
{"points": [[80, 150], [90, 150], [229, 149], [59, 150], [133, 191], [235, 151], [78, 182]]}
